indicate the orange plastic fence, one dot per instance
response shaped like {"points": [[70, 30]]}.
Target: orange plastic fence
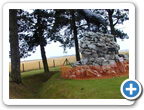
{"points": [[118, 69]]}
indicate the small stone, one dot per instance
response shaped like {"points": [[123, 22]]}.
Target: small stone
{"points": [[99, 34], [116, 58], [94, 51], [91, 33], [87, 42], [91, 59], [112, 57], [95, 55], [88, 53], [112, 62], [100, 45], [126, 58], [75, 64], [96, 40], [86, 34], [80, 50], [92, 46], [98, 48], [87, 39], [109, 35], [99, 60], [105, 62], [101, 54], [95, 64], [107, 39], [107, 57], [83, 45]]}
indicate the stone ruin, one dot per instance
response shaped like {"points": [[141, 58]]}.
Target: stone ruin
{"points": [[99, 49], [100, 59]]}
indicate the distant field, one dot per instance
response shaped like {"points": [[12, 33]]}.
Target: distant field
{"points": [[34, 64], [124, 52]]}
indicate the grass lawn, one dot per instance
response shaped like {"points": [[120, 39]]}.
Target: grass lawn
{"points": [[40, 85]]}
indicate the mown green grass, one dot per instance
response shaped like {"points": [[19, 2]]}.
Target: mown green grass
{"points": [[39, 85], [59, 88]]}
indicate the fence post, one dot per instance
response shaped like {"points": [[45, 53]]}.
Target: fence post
{"points": [[53, 63], [23, 67], [39, 65]]}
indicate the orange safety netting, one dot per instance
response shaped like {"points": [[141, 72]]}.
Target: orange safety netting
{"points": [[118, 69]]}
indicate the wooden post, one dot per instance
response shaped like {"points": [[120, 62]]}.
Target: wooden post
{"points": [[39, 65], [53, 63], [23, 67]]}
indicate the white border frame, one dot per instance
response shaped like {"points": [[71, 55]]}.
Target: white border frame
{"points": [[94, 5]]}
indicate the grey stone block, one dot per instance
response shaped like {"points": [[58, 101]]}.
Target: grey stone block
{"points": [[95, 64], [116, 58], [105, 62], [96, 40], [112, 61], [126, 58], [112, 57], [91, 46], [87, 53], [83, 45], [107, 56]]}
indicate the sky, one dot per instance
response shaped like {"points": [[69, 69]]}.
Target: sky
{"points": [[53, 49]]}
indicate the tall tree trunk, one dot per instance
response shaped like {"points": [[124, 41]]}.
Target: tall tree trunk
{"points": [[44, 59], [110, 13], [41, 42], [75, 37], [14, 46]]}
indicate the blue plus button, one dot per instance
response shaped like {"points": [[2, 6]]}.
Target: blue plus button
{"points": [[130, 89]]}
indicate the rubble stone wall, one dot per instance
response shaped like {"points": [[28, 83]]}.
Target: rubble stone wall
{"points": [[98, 49]]}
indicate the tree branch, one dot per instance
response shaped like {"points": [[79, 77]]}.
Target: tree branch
{"points": [[119, 17], [116, 22], [82, 25]]}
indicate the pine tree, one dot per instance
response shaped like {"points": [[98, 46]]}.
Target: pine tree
{"points": [[119, 16], [35, 32], [66, 20], [114, 17]]}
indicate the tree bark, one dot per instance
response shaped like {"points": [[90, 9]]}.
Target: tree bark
{"points": [[41, 43], [110, 13], [75, 37], [14, 46], [44, 59]]}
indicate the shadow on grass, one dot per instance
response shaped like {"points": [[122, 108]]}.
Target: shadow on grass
{"points": [[31, 85]]}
